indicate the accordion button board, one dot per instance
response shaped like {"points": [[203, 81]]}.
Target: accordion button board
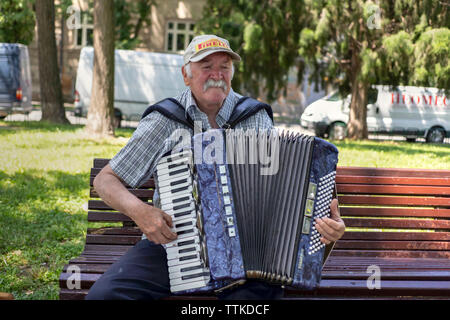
{"points": [[235, 219]]}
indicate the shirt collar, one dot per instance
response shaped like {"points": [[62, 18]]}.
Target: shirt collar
{"points": [[224, 113]]}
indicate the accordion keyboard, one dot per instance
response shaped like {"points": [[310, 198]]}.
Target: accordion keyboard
{"points": [[186, 256]]}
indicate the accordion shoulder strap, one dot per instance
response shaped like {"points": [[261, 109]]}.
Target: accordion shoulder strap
{"points": [[243, 109], [171, 109]]}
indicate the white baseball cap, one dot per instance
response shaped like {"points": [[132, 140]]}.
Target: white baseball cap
{"points": [[204, 45]]}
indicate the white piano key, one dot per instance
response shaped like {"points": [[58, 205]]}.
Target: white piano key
{"points": [[177, 198], [176, 156], [178, 205], [186, 267], [181, 252], [168, 165], [190, 285], [186, 241], [162, 185], [195, 257], [164, 180], [184, 224], [190, 278], [183, 215], [172, 169], [190, 271], [176, 249], [172, 189]]}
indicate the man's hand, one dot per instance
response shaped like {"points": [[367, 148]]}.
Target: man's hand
{"points": [[333, 228], [155, 224]]}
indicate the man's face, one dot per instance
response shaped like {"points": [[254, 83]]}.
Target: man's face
{"points": [[211, 79]]}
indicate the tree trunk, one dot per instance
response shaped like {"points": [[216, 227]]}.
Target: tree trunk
{"points": [[101, 109], [357, 124], [50, 85]]}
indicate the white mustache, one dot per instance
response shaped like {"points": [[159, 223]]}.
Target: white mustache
{"points": [[217, 84]]}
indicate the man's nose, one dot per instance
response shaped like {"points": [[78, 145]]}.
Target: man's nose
{"points": [[216, 74]]}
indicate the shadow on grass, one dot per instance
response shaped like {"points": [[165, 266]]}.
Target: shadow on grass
{"points": [[37, 206]]}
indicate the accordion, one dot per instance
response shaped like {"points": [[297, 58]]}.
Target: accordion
{"points": [[243, 204]]}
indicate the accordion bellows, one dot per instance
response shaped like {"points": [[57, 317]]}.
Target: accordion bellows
{"points": [[255, 196]]}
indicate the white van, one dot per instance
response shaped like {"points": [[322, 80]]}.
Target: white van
{"points": [[405, 110], [140, 79], [15, 79]]}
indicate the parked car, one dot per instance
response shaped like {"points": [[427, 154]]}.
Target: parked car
{"points": [[15, 79], [140, 79], [405, 110]]}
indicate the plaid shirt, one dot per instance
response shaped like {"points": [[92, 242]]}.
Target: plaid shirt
{"points": [[136, 162]]}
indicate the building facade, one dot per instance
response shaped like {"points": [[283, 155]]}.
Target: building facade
{"points": [[171, 29]]}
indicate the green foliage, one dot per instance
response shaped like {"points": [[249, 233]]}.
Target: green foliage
{"points": [[372, 41], [131, 16], [17, 21], [432, 52], [263, 33]]}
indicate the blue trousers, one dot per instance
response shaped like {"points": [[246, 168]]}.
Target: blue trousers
{"points": [[141, 274]]}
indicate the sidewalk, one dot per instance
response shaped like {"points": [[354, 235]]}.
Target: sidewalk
{"points": [[35, 115]]}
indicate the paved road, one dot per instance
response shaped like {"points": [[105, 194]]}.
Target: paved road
{"points": [[36, 116]]}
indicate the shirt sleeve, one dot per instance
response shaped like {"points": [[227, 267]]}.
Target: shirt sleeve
{"points": [[136, 161]]}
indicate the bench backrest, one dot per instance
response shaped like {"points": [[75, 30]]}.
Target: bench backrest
{"points": [[388, 213], [394, 212]]}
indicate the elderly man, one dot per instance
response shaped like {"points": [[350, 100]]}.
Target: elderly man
{"points": [[209, 100]]}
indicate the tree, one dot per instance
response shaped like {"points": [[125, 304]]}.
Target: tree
{"points": [[50, 84], [101, 109], [353, 43], [365, 42], [17, 22], [264, 33]]}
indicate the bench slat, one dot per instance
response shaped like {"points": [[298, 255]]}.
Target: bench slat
{"points": [[393, 245], [99, 205], [374, 180], [111, 239], [395, 212], [140, 193], [390, 201], [406, 236], [392, 172], [420, 254], [393, 189], [397, 223], [107, 216]]}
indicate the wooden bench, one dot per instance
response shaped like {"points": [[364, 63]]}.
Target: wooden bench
{"points": [[397, 223]]}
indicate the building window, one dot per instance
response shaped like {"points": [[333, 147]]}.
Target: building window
{"points": [[178, 35], [84, 36]]}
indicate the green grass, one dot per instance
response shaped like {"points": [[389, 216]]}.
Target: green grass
{"points": [[44, 174], [44, 177], [392, 154]]}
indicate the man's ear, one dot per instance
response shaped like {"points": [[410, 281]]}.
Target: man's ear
{"points": [[185, 77]]}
